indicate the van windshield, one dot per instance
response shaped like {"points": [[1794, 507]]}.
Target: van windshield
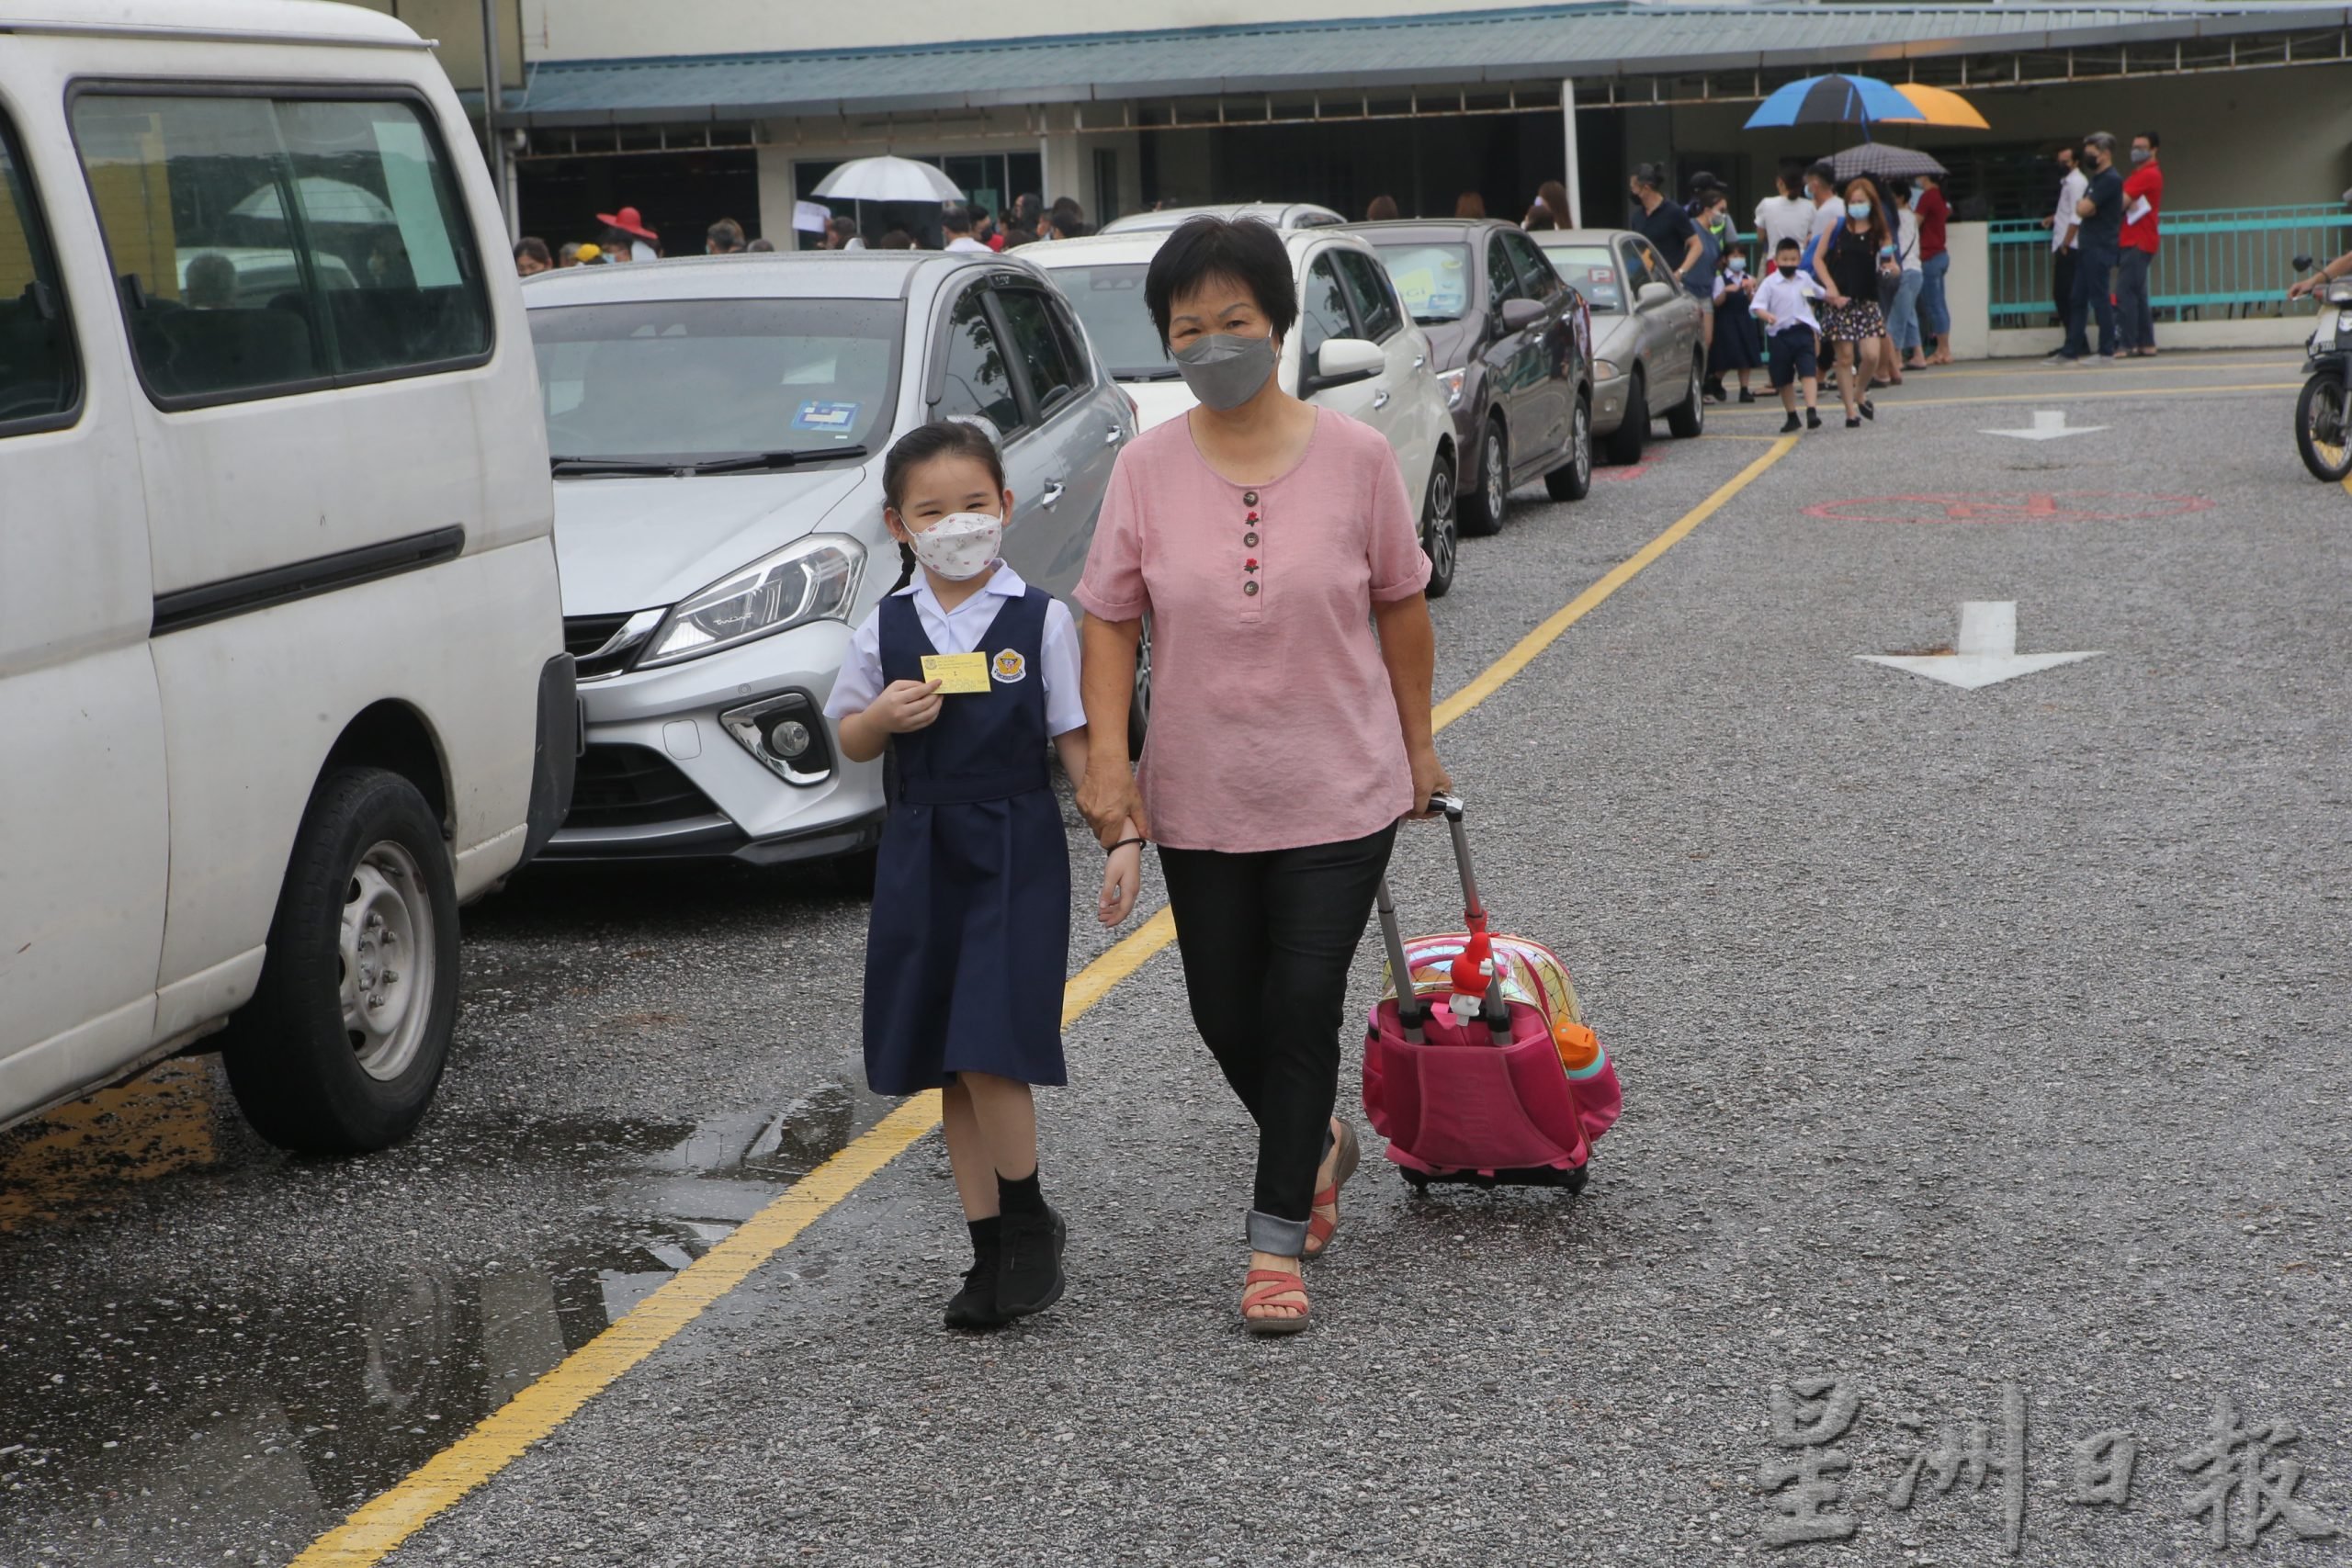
{"points": [[692, 381], [1109, 301]]}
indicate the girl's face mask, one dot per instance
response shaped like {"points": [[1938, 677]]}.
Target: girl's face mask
{"points": [[960, 546]]}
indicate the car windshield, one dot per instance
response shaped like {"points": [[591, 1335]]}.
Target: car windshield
{"points": [[1109, 301], [698, 379], [1432, 280], [1591, 270]]}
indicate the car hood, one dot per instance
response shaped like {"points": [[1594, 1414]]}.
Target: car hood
{"points": [[628, 544], [1450, 343], [1157, 403]]}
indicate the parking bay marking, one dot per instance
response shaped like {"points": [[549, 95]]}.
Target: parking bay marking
{"points": [[382, 1524], [1983, 654]]}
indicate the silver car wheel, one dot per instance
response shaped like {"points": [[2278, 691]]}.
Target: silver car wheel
{"points": [[387, 951], [1497, 483], [1582, 438]]}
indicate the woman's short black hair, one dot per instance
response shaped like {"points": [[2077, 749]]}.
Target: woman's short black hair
{"points": [[1243, 249]]}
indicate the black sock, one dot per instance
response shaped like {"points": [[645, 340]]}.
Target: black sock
{"points": [[988, 1238], [1021, 1197]]}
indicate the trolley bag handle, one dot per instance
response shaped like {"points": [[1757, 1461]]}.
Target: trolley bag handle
{"points": [[1494, 1011]]}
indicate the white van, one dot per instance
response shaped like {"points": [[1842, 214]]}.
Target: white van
{"points": [[280, 671]]}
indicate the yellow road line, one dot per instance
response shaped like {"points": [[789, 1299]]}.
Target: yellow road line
{"points": [[2086, 393], [382, 1524]]}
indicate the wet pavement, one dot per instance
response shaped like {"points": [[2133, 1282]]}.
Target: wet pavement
{"points": [[1970, 1039]]}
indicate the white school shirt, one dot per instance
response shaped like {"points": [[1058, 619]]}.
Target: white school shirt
{"points": [[965, 243], [962, 630], [2070, 191], [1787, 298], [1782, 217]]}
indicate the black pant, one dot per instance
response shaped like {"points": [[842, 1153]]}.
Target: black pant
{"points": [[2061, 284], [1267, 939]]}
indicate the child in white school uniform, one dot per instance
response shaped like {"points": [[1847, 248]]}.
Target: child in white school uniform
{"points": [[964, 676], [1783, 303]]}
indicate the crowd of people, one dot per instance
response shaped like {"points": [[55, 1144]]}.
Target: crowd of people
{"points": [[624, 236]]}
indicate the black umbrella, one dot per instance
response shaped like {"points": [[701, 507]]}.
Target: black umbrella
{"points": [[1886, 163]]}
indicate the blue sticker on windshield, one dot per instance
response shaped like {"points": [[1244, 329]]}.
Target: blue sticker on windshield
{"points": [[836, 418]]}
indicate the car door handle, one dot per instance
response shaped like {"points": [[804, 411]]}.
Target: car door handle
{"points": [[1420, 360], [1379, 399], [1051, 493], [1111, 436]]}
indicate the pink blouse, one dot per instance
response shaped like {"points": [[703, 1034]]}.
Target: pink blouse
{"points": [[1272, 722]]}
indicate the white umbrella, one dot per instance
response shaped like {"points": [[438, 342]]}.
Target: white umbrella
{"points": [[324, 201], [887, 179]]}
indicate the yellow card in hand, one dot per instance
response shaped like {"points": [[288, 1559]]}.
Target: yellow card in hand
{"points": [[957, 672]]}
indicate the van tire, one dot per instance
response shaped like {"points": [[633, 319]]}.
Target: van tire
{"points": [[370, 876]]}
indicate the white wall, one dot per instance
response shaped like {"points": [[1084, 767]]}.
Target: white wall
{"points": [[594, 30]]}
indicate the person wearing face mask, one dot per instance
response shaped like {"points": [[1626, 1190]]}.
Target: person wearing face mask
{"points": [[1277, 552], [1858, 251], [1665, 225], [2097, 241], [1782, 303], [963, 675], [1928, 205], [1903, 342], [1735, 348], [2143, 200]]}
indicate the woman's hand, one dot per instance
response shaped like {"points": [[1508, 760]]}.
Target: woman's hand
{"points": [[1430, 778], [1121, 880], [1108, 799], [1836, 301]]}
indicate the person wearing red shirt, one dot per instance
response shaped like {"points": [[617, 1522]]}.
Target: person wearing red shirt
{"points": [[2143, 199], [1928, 206]]}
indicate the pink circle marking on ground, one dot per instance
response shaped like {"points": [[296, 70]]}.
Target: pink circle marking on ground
{"points": [[2024, 506]]}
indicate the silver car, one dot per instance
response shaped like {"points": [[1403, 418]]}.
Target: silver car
{"points": [[1280, 214], [717, 427], [1648, 359]]}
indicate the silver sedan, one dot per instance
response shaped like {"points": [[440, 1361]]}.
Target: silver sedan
{"points": [[1648, 358]]}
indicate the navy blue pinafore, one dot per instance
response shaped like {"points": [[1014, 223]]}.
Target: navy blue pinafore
{"points": [[968, 944]]}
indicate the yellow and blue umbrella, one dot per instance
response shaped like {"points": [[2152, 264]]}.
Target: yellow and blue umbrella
{"points": [[1938, 105], [1835, 100]]}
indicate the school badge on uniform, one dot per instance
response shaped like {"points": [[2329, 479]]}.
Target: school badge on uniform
{"points": [[1009, 666]]}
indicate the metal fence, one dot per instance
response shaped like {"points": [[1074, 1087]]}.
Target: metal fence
{"points": [[2212, 264]]}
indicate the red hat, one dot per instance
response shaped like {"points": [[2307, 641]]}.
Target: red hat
{"points": [[628, 222]]}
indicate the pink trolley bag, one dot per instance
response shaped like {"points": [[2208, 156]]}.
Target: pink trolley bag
{"points": [[1478, 1067]]}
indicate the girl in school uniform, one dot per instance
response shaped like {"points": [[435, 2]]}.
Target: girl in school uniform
{"points": [[1735, 347], [965, 675]]}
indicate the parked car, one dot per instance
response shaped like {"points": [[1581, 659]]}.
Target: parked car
{"points": [[1354, 349], [717, 428], [1648, 358], [1280, 214], [280, 647], [1511, 346]]}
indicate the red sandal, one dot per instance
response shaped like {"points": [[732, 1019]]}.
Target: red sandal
{"points": [[1271, 1283], [1319, 1229]]}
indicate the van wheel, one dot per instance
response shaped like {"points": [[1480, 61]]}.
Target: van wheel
{"points": [[1483, 508], [1625, 442], [344, 1042], [1440, 531], [1572, 480]]}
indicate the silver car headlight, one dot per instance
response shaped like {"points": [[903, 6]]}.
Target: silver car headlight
{"points": [[813, 579], [1451, 380], [1605, 370]]}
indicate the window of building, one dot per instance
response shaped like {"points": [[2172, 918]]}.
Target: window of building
{"points": [[269, 245], [39, 379], [975, 377]]}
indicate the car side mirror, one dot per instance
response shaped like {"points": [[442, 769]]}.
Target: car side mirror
{"points": [[1652, 295], [1521, 314], [1344, 359]]}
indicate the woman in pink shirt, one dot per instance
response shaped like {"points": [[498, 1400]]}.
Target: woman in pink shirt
{"points": [[1267, 539]]}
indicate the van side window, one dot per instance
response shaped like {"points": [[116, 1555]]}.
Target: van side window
{"points": [[269, 245], [39, 379]]}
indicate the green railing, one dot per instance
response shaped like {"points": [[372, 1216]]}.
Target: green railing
{"points": [[2213, 263]]}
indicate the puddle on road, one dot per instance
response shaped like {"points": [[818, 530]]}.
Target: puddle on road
{"points": [[184, 1418]]}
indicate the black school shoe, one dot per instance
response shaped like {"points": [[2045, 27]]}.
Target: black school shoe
{"points": [[1813, 419], [1789, 425], [1030, 1277], [1746, 396], [974, 1307]]}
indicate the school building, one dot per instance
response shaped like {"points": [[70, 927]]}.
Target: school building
{"points": [[738, 108]]}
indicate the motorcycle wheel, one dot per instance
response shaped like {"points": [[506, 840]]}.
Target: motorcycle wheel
{"points": [[2324, 427]]}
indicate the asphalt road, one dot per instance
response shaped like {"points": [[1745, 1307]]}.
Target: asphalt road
{"points": [[1972, 1042]]}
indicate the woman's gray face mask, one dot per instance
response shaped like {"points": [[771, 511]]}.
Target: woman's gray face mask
{"points": [[1224, 370]]}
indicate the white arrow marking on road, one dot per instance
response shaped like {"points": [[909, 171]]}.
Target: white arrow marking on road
{"points": [[1985, 651], [2048, 424]]}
